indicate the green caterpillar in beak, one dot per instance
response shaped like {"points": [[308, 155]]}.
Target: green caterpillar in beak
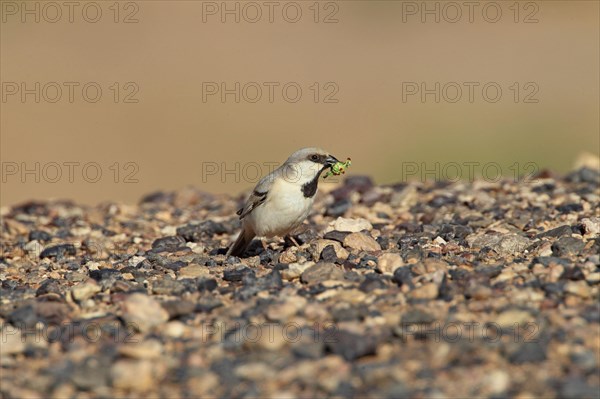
{"points": [[338, 168]]}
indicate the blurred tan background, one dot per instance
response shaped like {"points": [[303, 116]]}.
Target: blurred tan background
{"points": [[179, 134]]}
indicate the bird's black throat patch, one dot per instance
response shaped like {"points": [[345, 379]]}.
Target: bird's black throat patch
{"points": [[309, 189]]}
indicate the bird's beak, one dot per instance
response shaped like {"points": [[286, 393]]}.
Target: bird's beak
{"points": [[330, 160]]}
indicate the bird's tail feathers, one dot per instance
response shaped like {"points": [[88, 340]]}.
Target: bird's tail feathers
{"points": [[241, 243]]}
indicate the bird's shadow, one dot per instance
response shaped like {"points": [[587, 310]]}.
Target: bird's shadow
{"points": [[256, 248], [302, 235]]}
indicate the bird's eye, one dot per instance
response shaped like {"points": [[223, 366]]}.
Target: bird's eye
{"points": [[314, 157]]}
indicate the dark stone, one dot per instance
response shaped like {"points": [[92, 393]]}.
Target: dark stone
{"points": [[201, 231], [106, 277], [50, 286], [573, 273], [175, 266], [427, 218], [441, 200], [596, 245], [110, 328], [217, 251], [591, 313], [10, 284], [569, 208], [556, 232], [584, 175], [232, 260], [353, 276], [226, 290], [338, 208], [413, 253], [106, 232], [398, 389], [489, 271], [35, 352], [73, 266], [328, 254], [39, 235], [248, 289], [345, 389], [576, 387], [385, 242], [360, 183], [554, 289], [454, 231], [133, 270], [403, 276], [206, 305], [92, 373], [565, 246], [178, 308], [259, 309], [365, 260], [336, 236], [306, 236], [585, 360], [51, 312], [372, 281], [447, 289], [24, 317], [320, 272], [207, 284], [236, 274], [268, 257], [252, 285], [58, 251], [417, 316], [168, 286], [169, 244], [410, 227], [310, 346], [281, 266], [528, 352], [63, 233], [222, 367], [157, 197], [76, 277], [312, 290], [548, 260], [32, 208], [124, 286], [303, 254], [349, 345], [544, 188], [372, 196], [272, 281], [400, 186], [347, 313], [189, 284]]}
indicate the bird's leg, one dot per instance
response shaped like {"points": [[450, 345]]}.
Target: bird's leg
{"points": [[293, 240]]}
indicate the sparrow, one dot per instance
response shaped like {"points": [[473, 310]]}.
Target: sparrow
{"points": [[282, 200]]}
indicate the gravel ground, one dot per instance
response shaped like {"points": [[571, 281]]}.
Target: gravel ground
{"points": [[486, 289]]}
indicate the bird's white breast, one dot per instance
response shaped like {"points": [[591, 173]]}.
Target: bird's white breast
{"points": [[285, 209]]}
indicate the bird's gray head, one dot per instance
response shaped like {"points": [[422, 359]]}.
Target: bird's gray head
{"points": [[312, 154], [305, 165]]}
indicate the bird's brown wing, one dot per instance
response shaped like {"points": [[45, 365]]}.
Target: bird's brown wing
{"points": [[255, 200], [259, 195]]}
